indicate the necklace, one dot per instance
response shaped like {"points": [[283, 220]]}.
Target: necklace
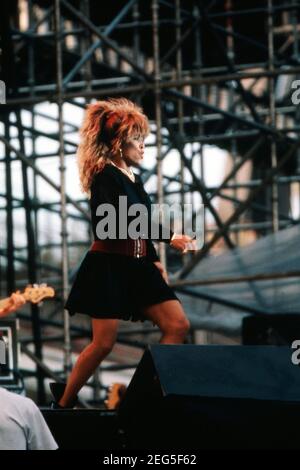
{"points": [[129, 173]]}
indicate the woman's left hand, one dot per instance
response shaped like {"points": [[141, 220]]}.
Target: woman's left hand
{"points": [[163, 272], [183, 243]]}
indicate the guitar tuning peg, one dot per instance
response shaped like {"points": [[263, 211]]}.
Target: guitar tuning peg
{"points": [[35, 285]]}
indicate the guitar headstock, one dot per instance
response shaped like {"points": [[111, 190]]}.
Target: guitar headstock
{"points": [[38, 292]]}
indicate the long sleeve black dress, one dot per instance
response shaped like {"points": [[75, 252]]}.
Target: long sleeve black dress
{"points": [[110, 285]]}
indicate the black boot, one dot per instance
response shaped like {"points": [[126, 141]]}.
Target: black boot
{"points": [[57, 390], [55, 406]]}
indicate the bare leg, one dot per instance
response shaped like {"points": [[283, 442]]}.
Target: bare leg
{"points": [[104, 337], [169, 316]]}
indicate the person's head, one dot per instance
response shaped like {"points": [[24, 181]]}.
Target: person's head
{"points": [[112, 129]]}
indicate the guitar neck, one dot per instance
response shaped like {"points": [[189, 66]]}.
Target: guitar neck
{"points": [[34, 294]]}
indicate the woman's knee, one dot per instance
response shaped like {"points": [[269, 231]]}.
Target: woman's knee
{"points": [[179, 327], [102, 349], [104, 336], [169, 317]]}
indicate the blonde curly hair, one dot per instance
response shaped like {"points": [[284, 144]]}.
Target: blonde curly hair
{"points": [[106, 125]]}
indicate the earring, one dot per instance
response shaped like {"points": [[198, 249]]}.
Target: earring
{"points": [[121, 152]]}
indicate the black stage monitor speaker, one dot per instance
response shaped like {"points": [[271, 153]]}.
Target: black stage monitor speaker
{"points": [[193, 396], [271, 329]]}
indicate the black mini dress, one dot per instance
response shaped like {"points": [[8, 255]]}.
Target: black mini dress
{"points": [[110, 285]]}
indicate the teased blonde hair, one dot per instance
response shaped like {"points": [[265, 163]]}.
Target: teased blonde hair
{"points": [[106, 125]]}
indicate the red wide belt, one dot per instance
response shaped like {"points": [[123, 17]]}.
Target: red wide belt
{"points": [[129, 247]]}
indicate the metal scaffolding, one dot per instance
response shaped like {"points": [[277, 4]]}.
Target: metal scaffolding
{"points": [[206, 73]]}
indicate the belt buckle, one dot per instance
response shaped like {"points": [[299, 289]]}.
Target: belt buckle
{"points": [[137, 249]]}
